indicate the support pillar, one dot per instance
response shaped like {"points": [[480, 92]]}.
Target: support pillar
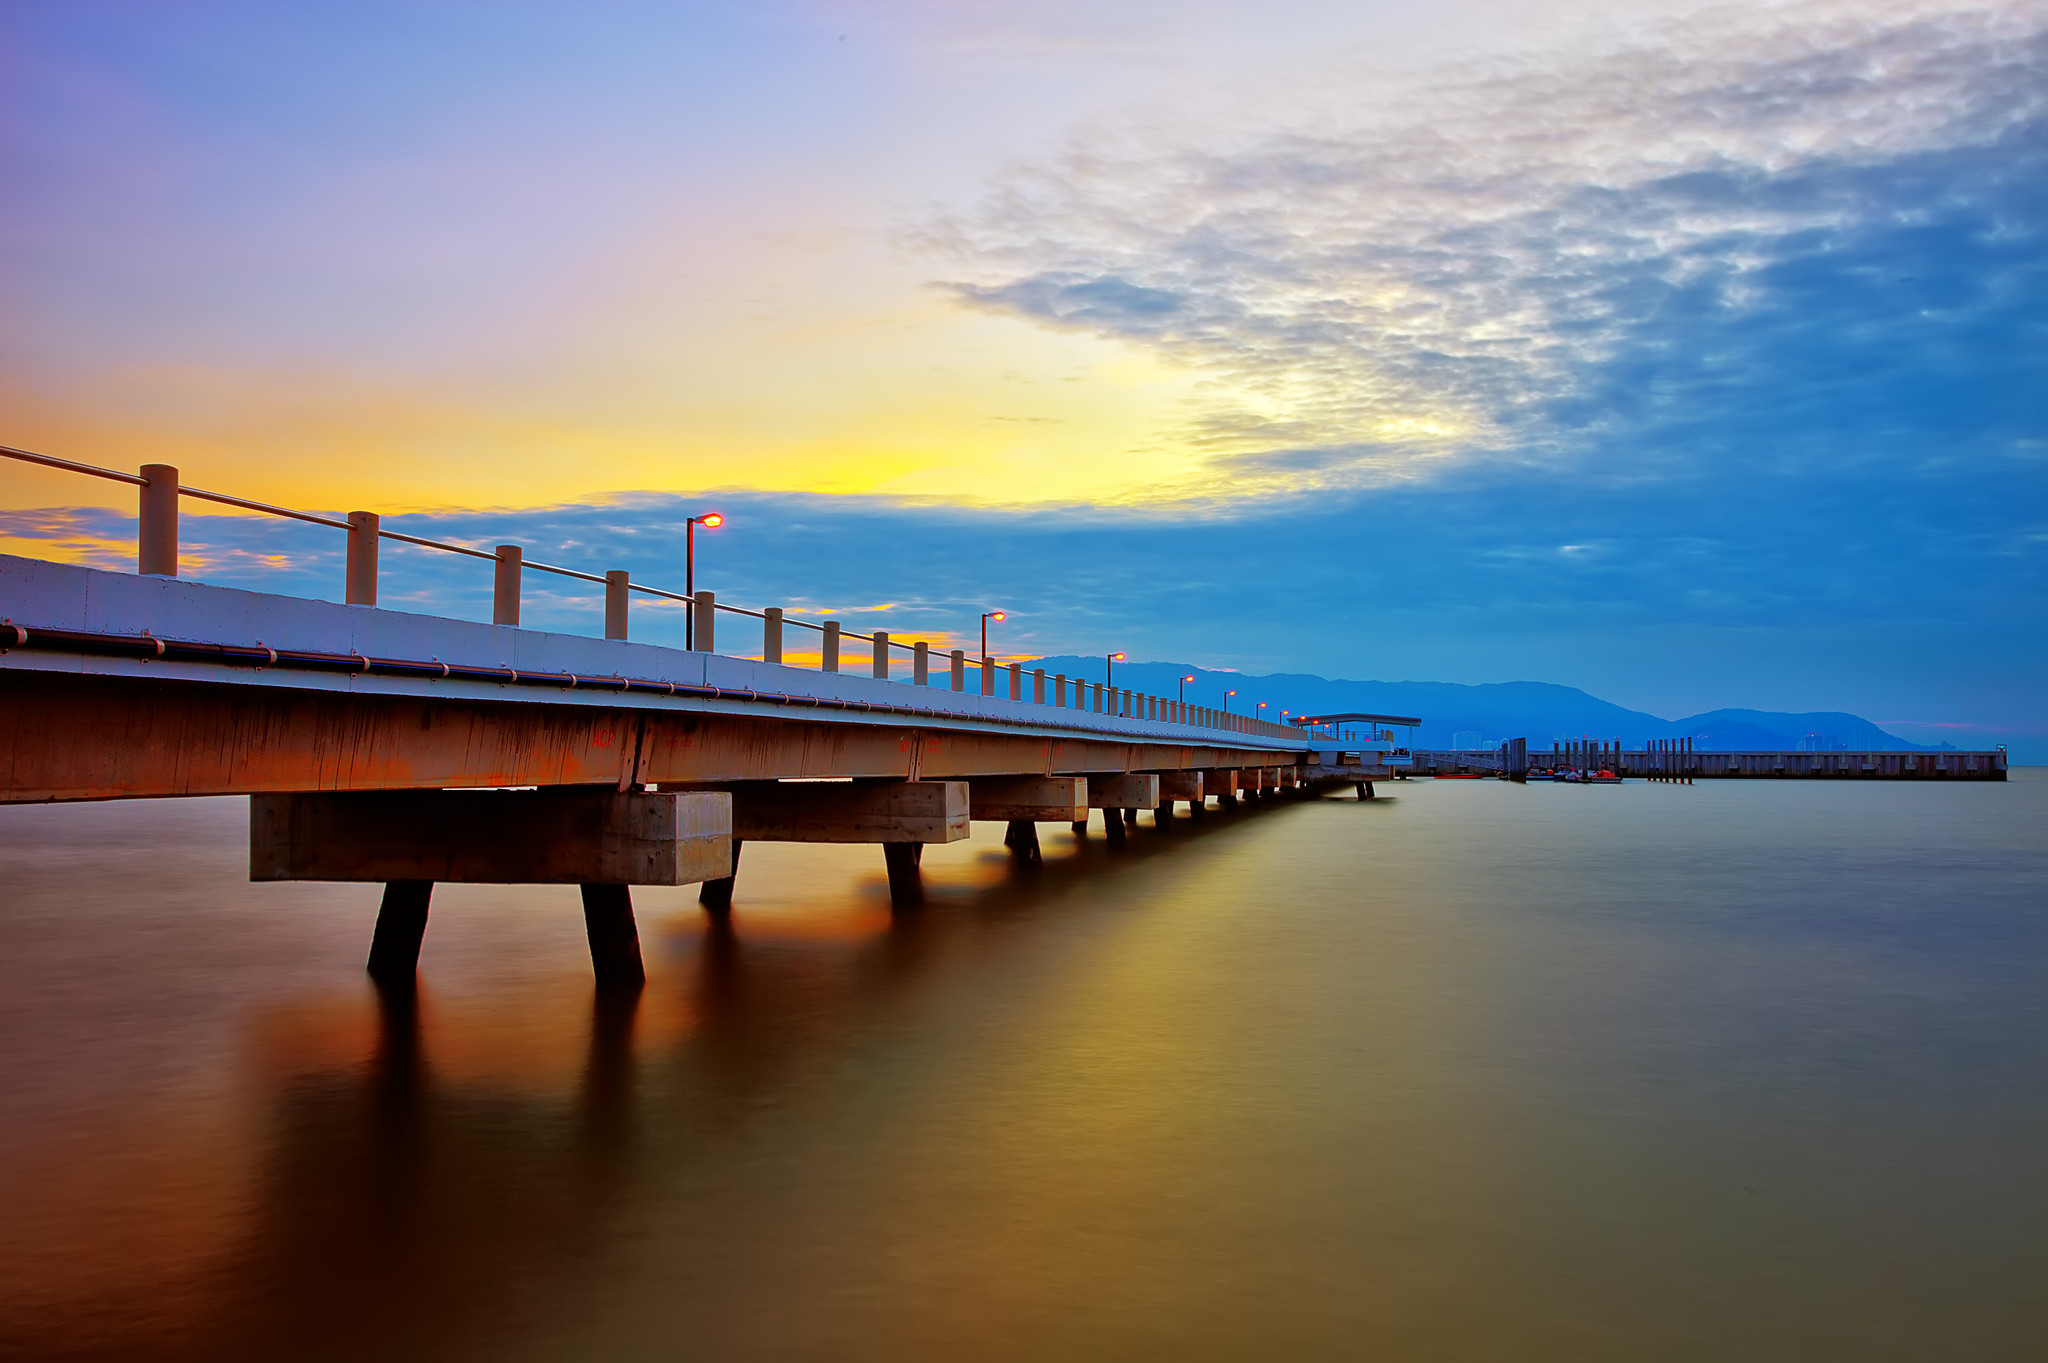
{"points": [[1080, 828], [1131, 817], [1113, 826], [359, 582], [906, 886], [615, 603], [1022, 839], [716, 895], [614, 937], [401, 925], [1365, 790], [704, 625], [156, 541], [505, 585]]}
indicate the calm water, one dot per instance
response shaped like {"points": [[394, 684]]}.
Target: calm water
{"points": [[1749, 1071]]}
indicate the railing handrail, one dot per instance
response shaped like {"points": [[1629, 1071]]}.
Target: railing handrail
{"points": [[359, 521]]}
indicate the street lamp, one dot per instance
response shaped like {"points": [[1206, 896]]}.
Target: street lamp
{"points": [[710, 520], [1109, 663], [1184, 688], [987, 616], [1226, 701], [1262, 705]]}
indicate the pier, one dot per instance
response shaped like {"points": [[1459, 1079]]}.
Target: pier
{"points": [[407, 750], [1678, 761]]}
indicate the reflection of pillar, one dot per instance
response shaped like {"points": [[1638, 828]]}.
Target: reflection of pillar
{"points": [[614, 937], [401, 924], [608, 1079]]}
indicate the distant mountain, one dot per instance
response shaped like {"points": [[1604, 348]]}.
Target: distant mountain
{"points": [[1484, 715]]}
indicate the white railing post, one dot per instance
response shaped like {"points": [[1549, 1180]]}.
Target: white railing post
{"points": [[771, 635], [1038, 686], [959, 669], [156, 537], [360, 578], [505, 586], [828, 659], [921, 663], [882, 655], [705, 625], [1016, 681], [615, 599], [988, 676], [1059, 691]]}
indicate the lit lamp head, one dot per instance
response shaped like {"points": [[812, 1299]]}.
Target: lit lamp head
{"points": [[711, 520]]}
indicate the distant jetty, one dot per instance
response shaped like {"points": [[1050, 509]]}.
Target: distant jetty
{"points": [[1677, 762]]}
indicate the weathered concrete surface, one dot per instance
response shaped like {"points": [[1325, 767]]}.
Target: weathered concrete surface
{"points": [[1132, 790], [1038, 799], [569, 836], [850, 811]]}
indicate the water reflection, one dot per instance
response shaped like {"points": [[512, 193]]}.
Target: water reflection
{"points": [[1313, 1079], [408, 1208]]}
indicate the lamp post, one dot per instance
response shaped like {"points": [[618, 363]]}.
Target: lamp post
{"points": [[1226, 701], [1183, 696], [710, 520], [987, 687], [1255, 713], [1109, 663]]}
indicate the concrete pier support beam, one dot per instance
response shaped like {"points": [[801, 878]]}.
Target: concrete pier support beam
{"points": [[1128, 790], [401, 926], [1180, 785], [911, 812], [563, 835], [1040, 799], [614, 937]]}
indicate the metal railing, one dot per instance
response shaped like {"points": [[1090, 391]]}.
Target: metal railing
{"points": [[157, 554]]}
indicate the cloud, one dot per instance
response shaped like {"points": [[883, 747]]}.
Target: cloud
{"points": [[1542, 261]]}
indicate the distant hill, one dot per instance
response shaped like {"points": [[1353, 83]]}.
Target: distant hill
{"points": [[1538, 711]]}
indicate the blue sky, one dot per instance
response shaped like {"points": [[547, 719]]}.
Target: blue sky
{"points": [[1694, 357]]}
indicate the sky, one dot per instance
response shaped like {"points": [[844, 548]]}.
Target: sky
{"points": [[1696, 355]]}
